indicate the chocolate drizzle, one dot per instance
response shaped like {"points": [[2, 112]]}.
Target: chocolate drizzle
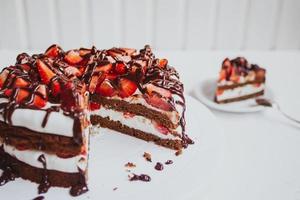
{"points": [[39, 198], [80, 187], [45, 184]]}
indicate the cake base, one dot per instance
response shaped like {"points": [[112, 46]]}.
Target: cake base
{"points": [[117, 126], [27, 172], [240, 98]]}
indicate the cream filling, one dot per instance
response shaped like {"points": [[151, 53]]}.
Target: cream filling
{"points": [[136, 122], [58, 123], [240, 91], [53, 162]]}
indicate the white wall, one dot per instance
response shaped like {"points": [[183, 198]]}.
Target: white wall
{"points": [[165, 24]]}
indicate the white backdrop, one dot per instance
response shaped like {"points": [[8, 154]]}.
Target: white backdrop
{"points": [[165, 24]]}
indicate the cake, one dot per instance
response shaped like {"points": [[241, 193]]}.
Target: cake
{"points": [[239, 80], [50, 102]]}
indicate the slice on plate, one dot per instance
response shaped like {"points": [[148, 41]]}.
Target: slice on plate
{"points": [[239, 80]]}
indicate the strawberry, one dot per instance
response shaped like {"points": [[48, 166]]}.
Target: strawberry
{"points": [[20, 82], [3, 77], [22, 147], [104, 67], [38, 102], [69, 71], [45, 72], [64, 155], [8, 92], [53, 51], [226, 63], [162, 63], [127, 87], [234, 77], [95, 80], [55, 88], [219, 92], [128, 51], [161, 128], [112, 76], [42, 90], [222, 75], [94, 106], [158, 102], [105, 89], [260, 74], [120, 68], [22, 94], [83, 51], [73, 57], [114, 53], [163, 92], [25, 67]]}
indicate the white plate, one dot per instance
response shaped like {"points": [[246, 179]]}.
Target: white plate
{"points": [[188, 177], [205, 90]]}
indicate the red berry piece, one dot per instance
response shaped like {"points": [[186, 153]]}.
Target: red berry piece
{"points": [[126, 87], [73, 57]]}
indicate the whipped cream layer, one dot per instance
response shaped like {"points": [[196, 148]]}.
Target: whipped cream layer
{"points": [[53, 162], [240, 91], [58, 123], [136, 122], [137, 98]]}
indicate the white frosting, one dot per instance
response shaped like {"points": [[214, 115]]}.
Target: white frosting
{"points": [[32, 119], [136, 122], [240, 91]]}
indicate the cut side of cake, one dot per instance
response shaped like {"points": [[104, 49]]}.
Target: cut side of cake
{"points": [[239, 80], [50, 101]]}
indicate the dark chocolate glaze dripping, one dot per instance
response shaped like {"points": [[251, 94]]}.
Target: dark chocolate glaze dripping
{"points": [[45, 184], [81, 186]]}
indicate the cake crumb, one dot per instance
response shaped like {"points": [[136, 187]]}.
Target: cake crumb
{"points": [[130, 164], [128, 170], [179, 152], [115, 188], [147, 156]]}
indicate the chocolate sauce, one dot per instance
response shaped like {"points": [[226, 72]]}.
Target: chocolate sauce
{"points": [[169, 162], [39, 198], [45, 184], [159, 166], [142, 177], [80, 187], [8, 173], [48, 112]]}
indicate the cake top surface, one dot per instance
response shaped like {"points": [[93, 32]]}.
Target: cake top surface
{"points": [[239, 70]]}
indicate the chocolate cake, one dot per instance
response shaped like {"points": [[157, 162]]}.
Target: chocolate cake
{"points": [[239, 80], [49, 102]]}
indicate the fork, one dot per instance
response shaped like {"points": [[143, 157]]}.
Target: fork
{"points": [[273, 104]]}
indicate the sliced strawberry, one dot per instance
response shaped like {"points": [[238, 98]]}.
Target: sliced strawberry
{"points": [[8, 92], [42, 90], [22, 147], [105, 66], [120, 68], [163, 92], [95, 80], [83, 51], [38, 102], [55, 88], [64, 155], [219, 92], [222, 75], [158, 102], [260, 74], [69, 71], [162, 63], [94, 106], [127, 87], [21, 95], [128, 115], [129, 51], [162, 129], [20, 82], [114, 53], [3, 77], [111, 76], [234, 77], [45, 72], [226, 63], [105, 89], [73, 57], [53, 51]]}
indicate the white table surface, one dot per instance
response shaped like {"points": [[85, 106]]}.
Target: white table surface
{"points": [[262, 150]]}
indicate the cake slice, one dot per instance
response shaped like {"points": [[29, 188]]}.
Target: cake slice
{"points": [[43, 125], [239, 80], [137, 94]]}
